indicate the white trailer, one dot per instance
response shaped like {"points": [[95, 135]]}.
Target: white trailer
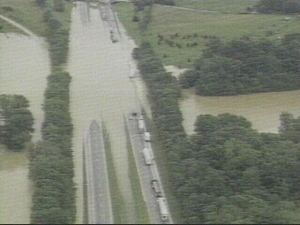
{"points": [[147, 137], [147, 156], [141, 125], [163, 210]]}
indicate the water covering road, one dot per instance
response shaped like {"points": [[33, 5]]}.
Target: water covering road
{"points": [[98, 192], [102, 90]]}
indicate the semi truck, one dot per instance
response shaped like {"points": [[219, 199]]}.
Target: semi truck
{"points": [[147, 156], [163, 210], [141, 125], [147, 137], [156, 188]]}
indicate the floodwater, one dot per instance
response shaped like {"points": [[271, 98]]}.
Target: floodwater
{"points": [[102, 90], [24, 66], [262, 109]]}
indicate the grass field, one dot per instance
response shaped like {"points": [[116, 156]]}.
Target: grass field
{"points": [[192, 28], [30, 16], [6, 27], [223, 6]]}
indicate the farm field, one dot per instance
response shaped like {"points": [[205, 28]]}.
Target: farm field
{"points": [[176, 31]]}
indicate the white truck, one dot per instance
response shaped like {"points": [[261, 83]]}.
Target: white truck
{"points": [[147, 156], [163, 210], [147, 137], [141, 125]]}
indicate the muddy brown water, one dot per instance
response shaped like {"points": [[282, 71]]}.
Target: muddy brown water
{"points": [[102, 90], [262, 110], [24, 66]]}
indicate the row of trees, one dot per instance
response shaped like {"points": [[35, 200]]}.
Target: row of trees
{"points": [[164, 91], [51, 166], [17, 122], [245, 66], [278, 6], [56, 36]]}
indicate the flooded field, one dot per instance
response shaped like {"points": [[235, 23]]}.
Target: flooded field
{"points": [[102, 90], [262, 110], [24, 66]]}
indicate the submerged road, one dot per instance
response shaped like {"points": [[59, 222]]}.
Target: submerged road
{"points": [[98, 193]]}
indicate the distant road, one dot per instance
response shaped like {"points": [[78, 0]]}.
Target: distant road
{"points": [[190, 9], [21, 27]]}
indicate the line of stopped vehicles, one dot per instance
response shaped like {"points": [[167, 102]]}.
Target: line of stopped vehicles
{"points": [[148, 157]]}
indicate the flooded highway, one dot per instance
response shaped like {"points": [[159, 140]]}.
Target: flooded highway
{"points": [[102, 90]]}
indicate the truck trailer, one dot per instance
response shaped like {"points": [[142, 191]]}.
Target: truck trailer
{"points": [[147, 137], [163, 210], [147, 156]]}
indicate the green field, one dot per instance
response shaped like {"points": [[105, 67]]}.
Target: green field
{"points": [[223, 6], [194, 26], [30, 16], [6, 27]]}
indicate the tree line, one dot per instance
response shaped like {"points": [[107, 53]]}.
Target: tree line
{"points": [[226, 172], [278, 6], [51, 167], [237, 175], [245, 65], [164, 92], [16, 122]]}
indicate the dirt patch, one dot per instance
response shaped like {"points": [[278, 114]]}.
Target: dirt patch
{"points": [[176, 71]]}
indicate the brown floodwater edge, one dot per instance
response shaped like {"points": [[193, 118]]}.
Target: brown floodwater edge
{"points": [[261, 109]]}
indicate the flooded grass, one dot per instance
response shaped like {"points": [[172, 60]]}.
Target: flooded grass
{"points": [[141, 213], [117, 200]]}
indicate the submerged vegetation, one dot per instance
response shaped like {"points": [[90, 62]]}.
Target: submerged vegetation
{"points": [[16, 122], [51, 167]]}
